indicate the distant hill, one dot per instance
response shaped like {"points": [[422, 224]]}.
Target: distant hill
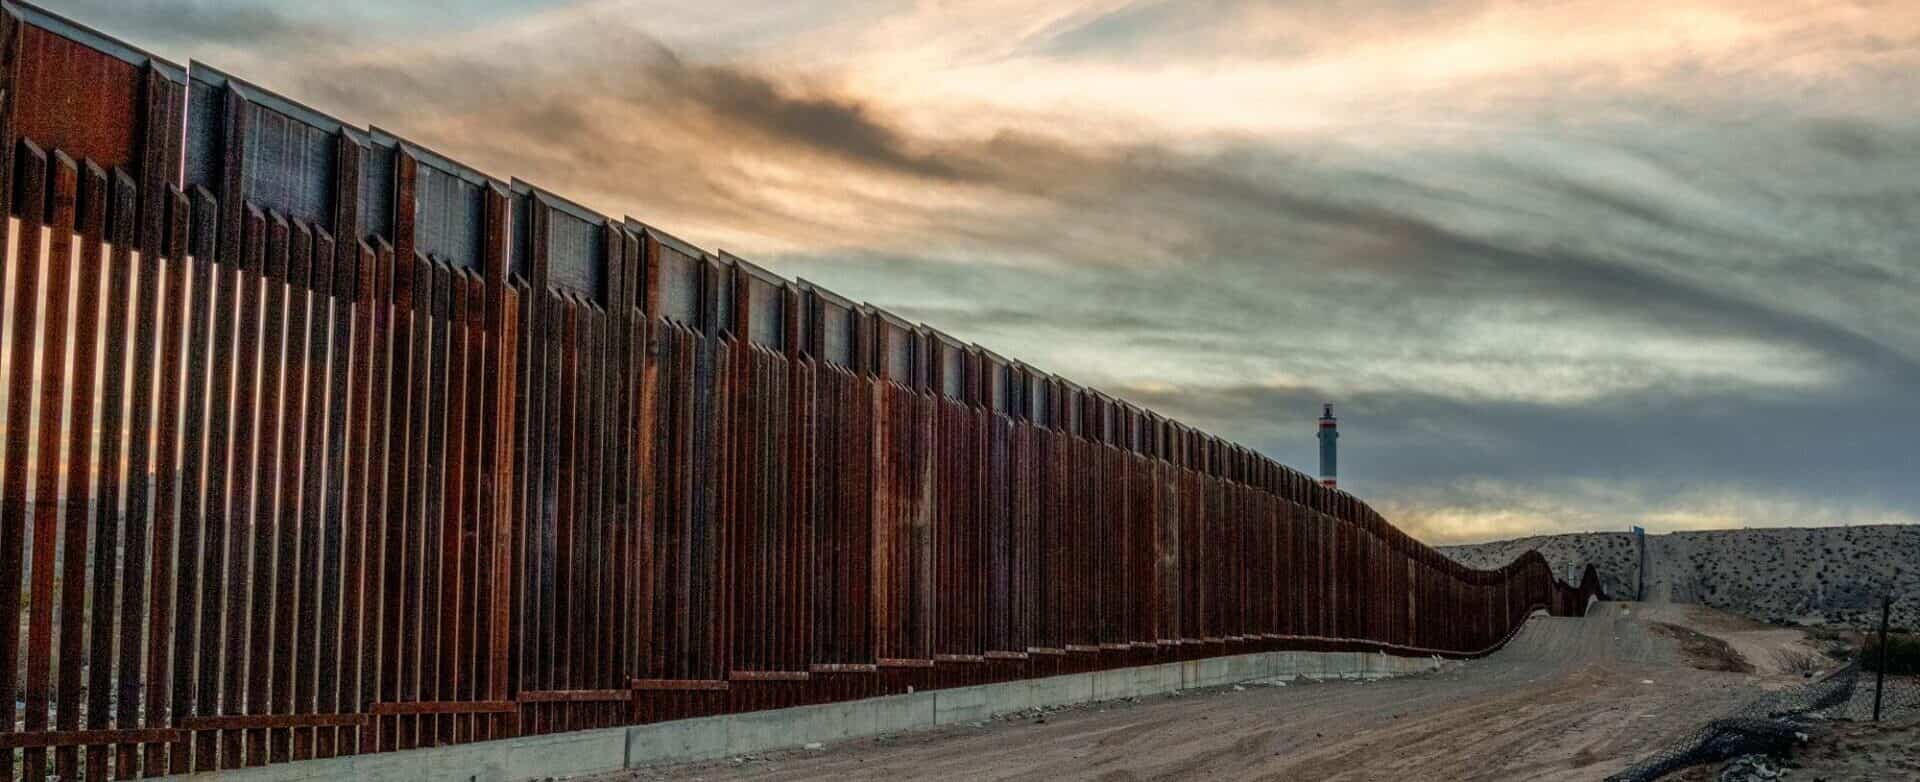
{"points": [[1612, 554], [1804, 575]]}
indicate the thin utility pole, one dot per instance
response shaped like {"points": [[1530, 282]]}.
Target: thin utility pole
{"points": [[1640, 584], [1880, 680]]}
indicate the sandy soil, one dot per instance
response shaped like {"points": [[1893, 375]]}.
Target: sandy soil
{"points": [[1768, 648], [1568, 699], [1862, 751]]}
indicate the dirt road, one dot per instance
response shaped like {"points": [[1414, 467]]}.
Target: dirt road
{"points": [[1569, 699]]}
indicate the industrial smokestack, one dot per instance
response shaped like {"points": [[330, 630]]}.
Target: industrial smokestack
{"points": [[1329, 456]]}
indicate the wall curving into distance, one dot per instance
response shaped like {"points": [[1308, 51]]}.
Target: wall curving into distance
{"points": [[395, 454]]}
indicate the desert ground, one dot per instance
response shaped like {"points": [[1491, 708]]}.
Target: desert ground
{"points": [[1568, 699], [1863, 751]]}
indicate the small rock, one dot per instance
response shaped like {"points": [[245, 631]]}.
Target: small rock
{"points": [[1751, 768]]}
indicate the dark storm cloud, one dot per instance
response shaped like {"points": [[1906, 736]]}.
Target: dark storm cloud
{"points": [[616, 108], [836, 124]]}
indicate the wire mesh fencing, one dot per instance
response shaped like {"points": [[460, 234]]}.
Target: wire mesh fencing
{"points": [[1773, 723]]}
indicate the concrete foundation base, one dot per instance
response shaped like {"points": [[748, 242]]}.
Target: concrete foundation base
{"points": [[708, 738]]}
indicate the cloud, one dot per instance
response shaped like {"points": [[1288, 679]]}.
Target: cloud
{"points": [[1732, 435], [1539, 260], [753, 102], [1489, 510], [1862, 141], [1458, 470], [181, 27]]}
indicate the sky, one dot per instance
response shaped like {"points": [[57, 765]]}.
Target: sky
{"points": [[1559, 265]]}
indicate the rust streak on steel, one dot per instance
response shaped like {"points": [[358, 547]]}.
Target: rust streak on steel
{"points": [[843, 668], [84, 738], [234, 721], [574, 696], [897, 662], [679, 684], [443, 707], [768, 676]]}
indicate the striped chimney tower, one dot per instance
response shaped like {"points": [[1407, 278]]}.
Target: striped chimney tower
{"points": [[1329, 434]]}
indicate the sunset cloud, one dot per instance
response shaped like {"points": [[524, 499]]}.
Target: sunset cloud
{"points": [[1560, 265]]}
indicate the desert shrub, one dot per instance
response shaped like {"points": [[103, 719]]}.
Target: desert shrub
{"points": [[1825, 633], [1903, 653]]}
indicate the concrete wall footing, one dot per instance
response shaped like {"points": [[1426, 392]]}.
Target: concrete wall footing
{"points": [[726, 735]]}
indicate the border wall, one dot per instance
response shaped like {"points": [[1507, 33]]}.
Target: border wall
{"points": [[394, 454]]}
